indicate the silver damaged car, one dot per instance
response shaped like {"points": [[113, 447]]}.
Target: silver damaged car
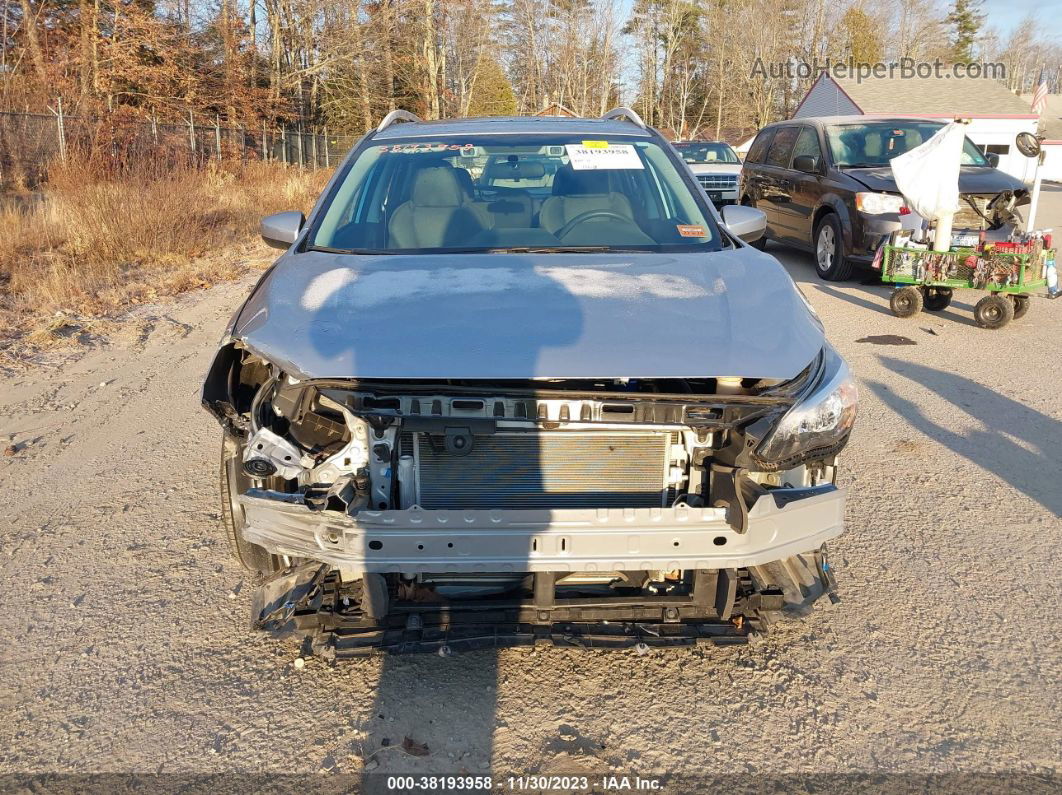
{"points": [[515, 381]]}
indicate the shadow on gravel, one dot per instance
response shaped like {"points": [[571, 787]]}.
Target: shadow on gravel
{"points": [[446, 706], [1033, 466], [853, 298]]}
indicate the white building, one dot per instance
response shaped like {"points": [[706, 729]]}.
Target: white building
{"points": [[996, 114]]}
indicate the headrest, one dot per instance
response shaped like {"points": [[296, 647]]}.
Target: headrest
{"points": [[464, 179], [569, 182], [436, 187], [872, 147], [518, 169]]}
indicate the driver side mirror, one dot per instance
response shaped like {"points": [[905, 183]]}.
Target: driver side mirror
{"points": [[281, 229], [993, 159], [748, 223], [809, 164]]}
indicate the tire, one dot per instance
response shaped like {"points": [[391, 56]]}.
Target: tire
{"points": [[906, 302], [994, 311], [232, 482], [831, 263], [936, 299], [760, 244], [1021, 305]]}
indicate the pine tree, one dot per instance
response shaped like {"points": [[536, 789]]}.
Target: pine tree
{"points": [[492, 93], [965, 19]]}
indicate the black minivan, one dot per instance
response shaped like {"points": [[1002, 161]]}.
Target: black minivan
{"points": [[826, 186]]}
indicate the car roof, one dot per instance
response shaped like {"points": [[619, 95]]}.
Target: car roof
{"points": [[510, 125], [824, 121], [700, 141]]}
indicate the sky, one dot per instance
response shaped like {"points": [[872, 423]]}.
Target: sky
{"points": [[1004, 15]]}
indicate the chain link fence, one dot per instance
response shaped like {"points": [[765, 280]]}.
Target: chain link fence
{"points": [[29, 142]]}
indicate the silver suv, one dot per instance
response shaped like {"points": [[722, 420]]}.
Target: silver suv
{"points": [[514, 381]]}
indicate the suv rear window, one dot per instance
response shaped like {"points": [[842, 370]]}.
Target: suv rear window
{"points": [[759, 146], [782, 147]]}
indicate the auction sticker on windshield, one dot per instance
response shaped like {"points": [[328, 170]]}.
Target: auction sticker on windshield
{"points": [[600, 155]]}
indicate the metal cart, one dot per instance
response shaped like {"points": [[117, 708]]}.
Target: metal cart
{"points": [[926, 279]]}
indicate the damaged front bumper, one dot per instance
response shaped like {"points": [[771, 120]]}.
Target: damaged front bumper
{"points": [[781, 524]]}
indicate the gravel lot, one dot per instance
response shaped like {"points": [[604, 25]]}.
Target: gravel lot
{"points": [[124, 645]]}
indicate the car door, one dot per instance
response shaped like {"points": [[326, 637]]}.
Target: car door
{"points": [[776, 183], [806, 183], [750, 178]]}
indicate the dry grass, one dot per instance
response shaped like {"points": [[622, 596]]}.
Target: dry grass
{"points": [[100, 242]]}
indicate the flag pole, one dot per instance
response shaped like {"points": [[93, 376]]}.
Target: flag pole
{"points": [[1039, 103], [1035, 198]]}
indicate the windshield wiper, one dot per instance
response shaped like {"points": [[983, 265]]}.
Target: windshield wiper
{"points": [[864, 165], [553, 250], [332, 250]]}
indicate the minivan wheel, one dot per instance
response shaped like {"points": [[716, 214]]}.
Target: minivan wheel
{"points": [[830, 261]]}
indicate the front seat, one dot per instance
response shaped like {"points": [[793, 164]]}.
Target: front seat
{"points": [[437, 214], [578, 192]]}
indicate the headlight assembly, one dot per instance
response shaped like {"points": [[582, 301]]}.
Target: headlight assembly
{"points": [[879, 203], [820, 423]]}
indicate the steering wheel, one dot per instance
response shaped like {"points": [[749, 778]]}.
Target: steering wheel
{"points": [[589, 215]]}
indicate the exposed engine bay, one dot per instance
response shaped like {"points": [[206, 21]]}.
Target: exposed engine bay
{"points": [[991, 212], [423, 516]]}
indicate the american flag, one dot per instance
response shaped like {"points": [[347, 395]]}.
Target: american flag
{"points": [[1039, 97]]}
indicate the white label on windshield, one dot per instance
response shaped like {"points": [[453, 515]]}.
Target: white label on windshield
{"points": [[597, 158]]}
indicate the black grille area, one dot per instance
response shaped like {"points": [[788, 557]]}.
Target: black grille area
{"points": [[543, 470], [717, 181]]}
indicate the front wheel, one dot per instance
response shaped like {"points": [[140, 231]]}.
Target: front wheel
{"points": [[906, 302], [993, 311], [234, 481], [830, 261]]}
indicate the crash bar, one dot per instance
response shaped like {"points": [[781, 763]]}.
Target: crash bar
{"points": [[622, 113], [397, 116]]}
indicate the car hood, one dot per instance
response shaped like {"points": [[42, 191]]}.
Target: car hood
{"points": [[715, 168], [972, 179], [518, 316]]}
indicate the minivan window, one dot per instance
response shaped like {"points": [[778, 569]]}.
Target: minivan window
{"points": [[759, 146], [497, 192], [807, 144], [876, 143], [782, 147]]}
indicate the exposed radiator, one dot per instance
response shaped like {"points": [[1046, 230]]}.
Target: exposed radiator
{"points": [[969, 218], [543, 470]]}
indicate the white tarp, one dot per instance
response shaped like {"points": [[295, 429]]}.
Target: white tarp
{"points": [[928, 175]]}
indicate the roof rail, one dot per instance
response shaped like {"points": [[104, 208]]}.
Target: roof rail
{"points": [[625, 113], [397, 116]]}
